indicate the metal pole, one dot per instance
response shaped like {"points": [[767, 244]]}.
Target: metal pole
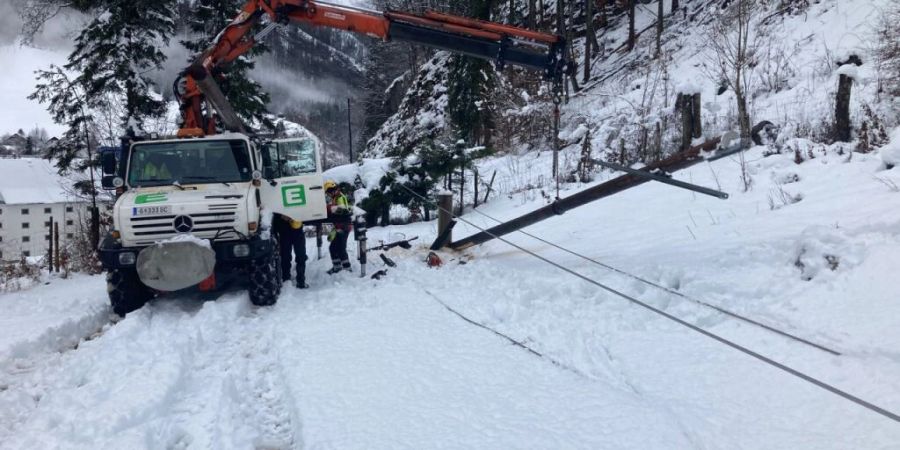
{"points": [[349, 131]]}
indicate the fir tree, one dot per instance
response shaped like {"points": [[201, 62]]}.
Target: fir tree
{"points": [[115, 52], [208, 18], [112, 57], [470, 83]]}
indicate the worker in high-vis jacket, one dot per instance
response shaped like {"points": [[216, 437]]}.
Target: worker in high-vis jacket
{"points": [[340, 213], [291, 240]]}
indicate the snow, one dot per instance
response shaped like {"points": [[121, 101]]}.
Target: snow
{"points": [[187, 237], [810, 248], [848, 70], [359, 363], [30, 181], [890, 153]]}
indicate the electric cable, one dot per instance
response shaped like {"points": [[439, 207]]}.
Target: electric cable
{"points": [[796, 373]]}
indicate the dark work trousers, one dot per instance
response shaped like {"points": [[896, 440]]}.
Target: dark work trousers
{"points": [[338, 249], [291, 240]]}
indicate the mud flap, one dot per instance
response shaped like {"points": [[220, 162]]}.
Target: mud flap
{"points": [[172, 266]]}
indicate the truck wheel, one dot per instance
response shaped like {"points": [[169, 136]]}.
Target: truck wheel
{"points": [[265, 281], [126, 292]]}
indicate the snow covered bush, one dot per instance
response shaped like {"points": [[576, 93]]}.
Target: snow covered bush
{"points": [[20, 275]]}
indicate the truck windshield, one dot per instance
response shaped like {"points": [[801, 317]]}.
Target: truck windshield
{"points": [[189, 162]]}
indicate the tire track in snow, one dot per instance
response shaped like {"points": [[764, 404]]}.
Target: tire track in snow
{"points": [[159, 378]]}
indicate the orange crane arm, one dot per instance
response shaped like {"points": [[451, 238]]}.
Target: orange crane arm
{"points": [[481, 39]]}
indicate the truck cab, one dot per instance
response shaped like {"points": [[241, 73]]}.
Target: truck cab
{"points": [[193, 212]]}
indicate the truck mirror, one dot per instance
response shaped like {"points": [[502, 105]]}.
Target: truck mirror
{"points": [[107, 182], [108, 163]]}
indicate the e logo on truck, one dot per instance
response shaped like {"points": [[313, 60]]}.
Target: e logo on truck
{"points": [[293, 195]]}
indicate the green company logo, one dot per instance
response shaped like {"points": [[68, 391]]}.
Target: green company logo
{"points": [[293, 195], [150, 198]]}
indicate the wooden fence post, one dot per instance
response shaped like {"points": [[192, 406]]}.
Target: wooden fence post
{"points": [[687, 126], [56, 244], [842, 125], [445, 213], [695, 116], [50, 246]]}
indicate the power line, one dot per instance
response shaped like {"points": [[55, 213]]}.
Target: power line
{"points": [[674, 292], [809, 379]]}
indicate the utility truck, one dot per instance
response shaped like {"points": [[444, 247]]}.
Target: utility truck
{"points": [[196, 210]]}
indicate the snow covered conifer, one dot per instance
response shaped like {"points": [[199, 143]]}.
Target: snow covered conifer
{"points": [[114, 54], [208, 18], [470, 83]]}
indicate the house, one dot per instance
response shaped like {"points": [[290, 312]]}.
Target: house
{"points": [[17, 141], [31, 193]]}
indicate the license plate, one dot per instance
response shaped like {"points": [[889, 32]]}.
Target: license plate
{"points": [[151, 211]]}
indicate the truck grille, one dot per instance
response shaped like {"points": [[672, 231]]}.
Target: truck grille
{"points": [[150, 230]]}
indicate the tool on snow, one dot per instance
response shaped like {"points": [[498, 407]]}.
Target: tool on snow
{"points": [[390, 262], [404, 244]]}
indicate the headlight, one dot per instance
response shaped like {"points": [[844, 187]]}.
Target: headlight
{"points": [[126, 258], [241, 250]]}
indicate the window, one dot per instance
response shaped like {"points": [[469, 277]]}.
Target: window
{"points": [[46, 237], [47, 210], [70, 222], [69, 209], [24, 211], [26, 239], [70, 235], [25, 225], [26, 253], [189, 162], [289, 158], [47, 224]]}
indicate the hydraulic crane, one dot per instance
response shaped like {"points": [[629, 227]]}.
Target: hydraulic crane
{"points": [[205, 107]]}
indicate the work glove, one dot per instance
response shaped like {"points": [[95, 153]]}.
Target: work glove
{"points": [[332, 235], [296, 224]]}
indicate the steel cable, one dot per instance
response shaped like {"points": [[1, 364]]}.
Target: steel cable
{"points": [[809, 379], [674, 292]]}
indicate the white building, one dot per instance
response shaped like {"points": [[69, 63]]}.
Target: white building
{"points": [[31, 192]]}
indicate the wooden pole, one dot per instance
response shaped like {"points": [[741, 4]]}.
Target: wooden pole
{"points": [[50, 246], [695, 116], [445, 208], [842, 109], [56, 244], [675, 162], [476, 187], [490, 186], [687, 126]]}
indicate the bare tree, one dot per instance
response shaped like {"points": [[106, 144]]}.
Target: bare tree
{"points": [[659, 28], [734, 45], [588, 42], [632, 36]]}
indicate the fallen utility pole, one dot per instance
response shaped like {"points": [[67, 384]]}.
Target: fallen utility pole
{"points": [[675, 162], [664, 178]]}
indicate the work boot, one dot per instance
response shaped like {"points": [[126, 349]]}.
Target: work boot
{"points": [[301, 284], [334, 270], [346, 266]]}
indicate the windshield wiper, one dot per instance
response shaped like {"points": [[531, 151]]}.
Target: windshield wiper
{"points": [[200, 178], [178, 185]]}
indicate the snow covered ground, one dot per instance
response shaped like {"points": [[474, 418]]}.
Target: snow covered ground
{"points": [[358, 363]]}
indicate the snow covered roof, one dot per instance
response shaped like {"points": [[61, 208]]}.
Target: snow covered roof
{"points": [[29, 181]]}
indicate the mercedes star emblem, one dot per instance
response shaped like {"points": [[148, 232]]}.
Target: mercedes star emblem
{"points": [[183, 224]]}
